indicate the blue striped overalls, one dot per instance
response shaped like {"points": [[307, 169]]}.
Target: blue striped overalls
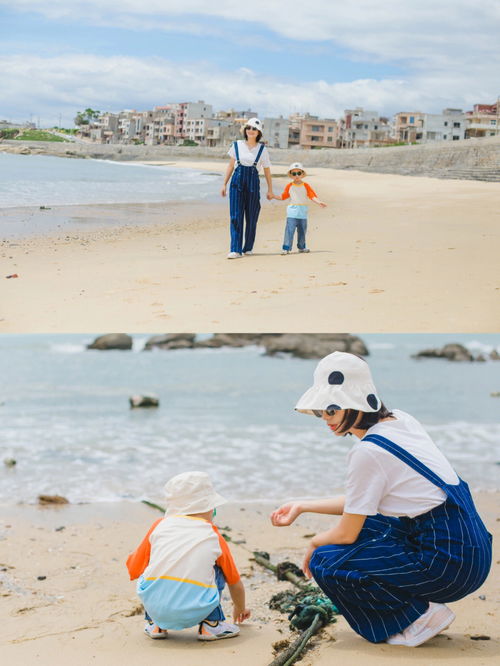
{"points": [[384, 581], [244, 201]]}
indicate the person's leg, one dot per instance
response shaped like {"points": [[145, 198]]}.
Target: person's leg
{"points": [[290, 225], [236, 212], [220, 581], [252, 211], [214, 627], [366, 580], [301, 234]]}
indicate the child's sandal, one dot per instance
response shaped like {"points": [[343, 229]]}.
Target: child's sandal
{"points": [[153, 631]]}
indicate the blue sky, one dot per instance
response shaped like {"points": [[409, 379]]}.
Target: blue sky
{"points": [[274, 57]]}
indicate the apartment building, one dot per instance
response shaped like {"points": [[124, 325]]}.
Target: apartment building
{"points": [[360, 128], [317, 133], [418, 127], [276, 132], [483, 120]]}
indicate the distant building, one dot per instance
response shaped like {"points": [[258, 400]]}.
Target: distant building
{"points": [[483, 121], [276, 132], [418, 127], [317, 133], [360, 128]]}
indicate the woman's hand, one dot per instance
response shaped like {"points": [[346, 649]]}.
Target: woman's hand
{"points": [[307, 559], [223, 191], [270, 195], [286, 514]]}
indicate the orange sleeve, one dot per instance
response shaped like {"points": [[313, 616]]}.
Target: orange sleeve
{"points": [[226, 561], [286, 192], [310, 192], [139, 559]]}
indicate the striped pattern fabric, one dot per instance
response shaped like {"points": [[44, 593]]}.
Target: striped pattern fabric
{"points": [[385, 580], [244, 203]]}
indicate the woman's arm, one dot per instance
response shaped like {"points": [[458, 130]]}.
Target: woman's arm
{"points": [[287, 513], [345, 532], [269, 181], [227, 175]]}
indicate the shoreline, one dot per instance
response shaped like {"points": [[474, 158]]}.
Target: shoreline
{"points": [[86, 610], [385, 244]]}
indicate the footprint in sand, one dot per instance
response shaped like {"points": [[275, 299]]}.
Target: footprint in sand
{"points": [[376, 291]]}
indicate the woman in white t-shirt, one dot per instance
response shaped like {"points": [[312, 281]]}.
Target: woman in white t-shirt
{"points": [[409, 538], [248, 156]]}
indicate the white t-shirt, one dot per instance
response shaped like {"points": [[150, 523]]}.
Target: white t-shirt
{"points": [[379, 482], [249, 155]]}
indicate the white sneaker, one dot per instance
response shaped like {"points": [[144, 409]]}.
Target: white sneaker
{"points": [[285, 251], [306, 249], [436, 618], [234, 255], [153, 631], [249, 253], [215, 631]]}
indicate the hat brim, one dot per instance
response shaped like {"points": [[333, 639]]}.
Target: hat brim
{"points": [[320, 398], [195, 506]]}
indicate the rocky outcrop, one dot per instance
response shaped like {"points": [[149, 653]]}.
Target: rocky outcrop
{"points": [[315, 345], [301, 345], [112, 341], [170, 341], [140, 401], [455, 352]]}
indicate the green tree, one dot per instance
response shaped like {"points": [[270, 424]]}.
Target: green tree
{"points": [[86, 117]]}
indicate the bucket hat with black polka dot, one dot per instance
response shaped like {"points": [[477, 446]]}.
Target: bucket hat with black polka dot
{"points": [[341, 381]]}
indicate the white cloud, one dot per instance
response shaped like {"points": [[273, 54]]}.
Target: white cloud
{"points": [[448, 52], [67, 83]]}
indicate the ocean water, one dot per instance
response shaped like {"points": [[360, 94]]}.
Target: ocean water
{"points": [[66, 420], [41, 180]]}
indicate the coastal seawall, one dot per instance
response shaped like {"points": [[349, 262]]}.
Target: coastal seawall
{"points": [[473, 159]]}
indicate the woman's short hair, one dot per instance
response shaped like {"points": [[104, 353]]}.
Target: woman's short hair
{"points": [[366, 419], [244, 132]]}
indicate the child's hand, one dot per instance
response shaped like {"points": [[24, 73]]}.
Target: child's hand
{"points": [[241, 614], [323, 205], [285, 515]]}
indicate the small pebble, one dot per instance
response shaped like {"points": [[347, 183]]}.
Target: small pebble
{"points": [[59, 529], [41, 577], [480, 637], [482, 597]]}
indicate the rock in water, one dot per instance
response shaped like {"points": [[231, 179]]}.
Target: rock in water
{"points": [[143, 401], [112, 341], [10, 462], [52, 499]]}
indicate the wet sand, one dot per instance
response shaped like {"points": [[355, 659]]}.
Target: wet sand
{"points": [[389, 254], [86, 611]]}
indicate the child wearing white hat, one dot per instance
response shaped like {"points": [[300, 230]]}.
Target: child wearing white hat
{"points": [[184, 562], [299, 194]]}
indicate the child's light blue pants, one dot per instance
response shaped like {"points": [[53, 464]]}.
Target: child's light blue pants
{"points": [[293, 223]]}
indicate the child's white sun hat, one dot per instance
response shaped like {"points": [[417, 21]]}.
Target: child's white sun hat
{"points": [[191, 492], [297, 165], [341, 381]]}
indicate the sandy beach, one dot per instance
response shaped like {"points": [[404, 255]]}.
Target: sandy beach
{"points": [[390, 253], [85, 609]]}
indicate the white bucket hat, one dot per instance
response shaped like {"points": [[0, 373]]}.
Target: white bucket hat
{"points": [[296, 165], [341, 381], [191, 492], [255, 123]]}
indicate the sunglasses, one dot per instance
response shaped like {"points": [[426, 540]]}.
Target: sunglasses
{"points": [[252, 128], [296, 173], [329, 411]]}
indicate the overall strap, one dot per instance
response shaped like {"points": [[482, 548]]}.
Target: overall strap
{"points": [[235, 144], [407, 458], [258, 154]]}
